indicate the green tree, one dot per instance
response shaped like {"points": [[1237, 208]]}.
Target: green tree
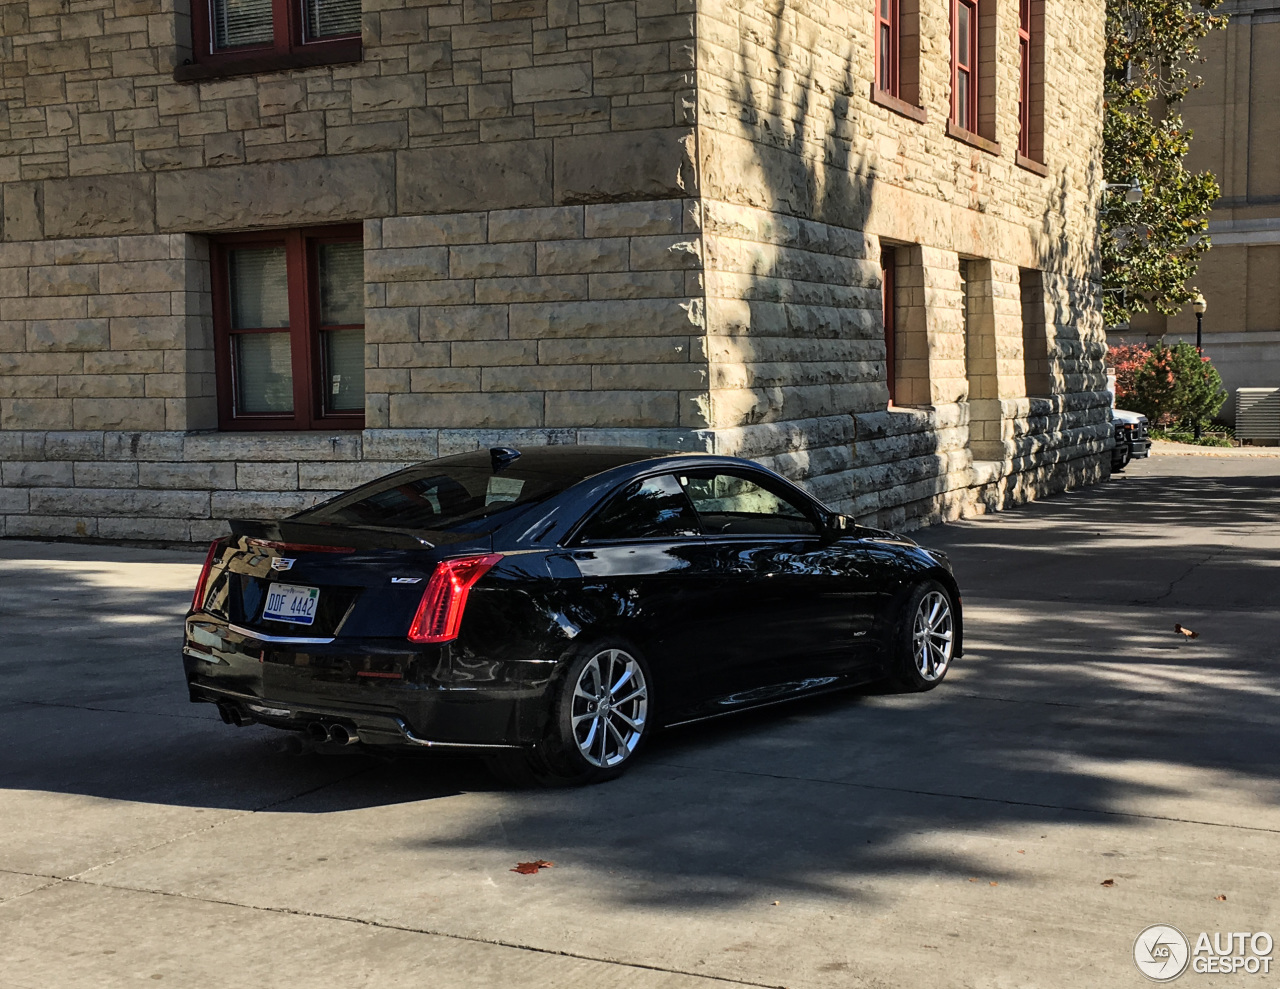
{"points": [[1151, 248]]}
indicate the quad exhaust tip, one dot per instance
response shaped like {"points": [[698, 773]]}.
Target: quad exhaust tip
{"points": [[232, 715], [318, 731]]}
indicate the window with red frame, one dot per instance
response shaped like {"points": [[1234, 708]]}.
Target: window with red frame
{"points": [[228, 32], [964, 64], [288, 313], [888, 55], [888, 303]]}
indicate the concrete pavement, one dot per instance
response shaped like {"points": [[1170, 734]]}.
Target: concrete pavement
{"points": [[957, 838]]}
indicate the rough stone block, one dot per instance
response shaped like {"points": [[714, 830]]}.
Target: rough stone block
{"points": [[477, 411], [284, 193], [634, 219], [505, 175], [98, 205], [395, 92], [267, 477], [118, 413], [553, 223], [551, 82], [633, 165], [105, 475], [613, 409], [36, 413], [187, 476], [623, 318], [566, 257], [421, 231], [68, 334], [402, 445], [37, 474]]}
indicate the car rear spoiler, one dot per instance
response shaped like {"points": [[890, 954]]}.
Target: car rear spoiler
{"points": [[354, 536]]}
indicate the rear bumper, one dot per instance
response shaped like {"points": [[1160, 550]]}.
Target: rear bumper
{"points": [[375, 689]]}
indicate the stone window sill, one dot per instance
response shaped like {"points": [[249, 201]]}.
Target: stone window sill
{"points": [[335, 53], [973, 140], [890, 102], [1031, 165]]}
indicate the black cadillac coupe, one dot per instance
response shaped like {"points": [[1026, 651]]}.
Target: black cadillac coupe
{"points": [[552, 607]]}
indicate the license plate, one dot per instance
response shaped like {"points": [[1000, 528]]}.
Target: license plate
{"points": [[292, 603]]}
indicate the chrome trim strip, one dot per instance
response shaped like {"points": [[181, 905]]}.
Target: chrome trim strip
{"points": [[263, 637], [427, 743]]}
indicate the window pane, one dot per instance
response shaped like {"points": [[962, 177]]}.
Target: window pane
{"points": [[241, 22], [963, 54], [259, 287], [886, 9], [655, 508], [344, 364], [886, 58], [332, 18], [732, 505], [962, 100], [264, 372], [341, 284]]}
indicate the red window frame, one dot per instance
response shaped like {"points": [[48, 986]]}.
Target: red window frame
{"points": [[1024, 79], [309, 374], [964, 112], [888, 46], [289, 47]]}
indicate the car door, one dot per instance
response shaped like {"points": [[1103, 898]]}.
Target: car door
{"points": [[791, 605], [639, 568]]}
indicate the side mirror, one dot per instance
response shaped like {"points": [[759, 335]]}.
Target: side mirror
{"points": [[835, 528]]}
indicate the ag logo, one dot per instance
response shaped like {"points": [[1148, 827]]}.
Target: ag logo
{"points": [[1161, 953], [280, 563]]}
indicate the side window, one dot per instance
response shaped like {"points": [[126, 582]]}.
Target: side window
{"points": [[731, 505], [650, 509]]}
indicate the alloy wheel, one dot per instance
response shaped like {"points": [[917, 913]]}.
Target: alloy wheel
{"points": [[610, 705], [933, 636]]}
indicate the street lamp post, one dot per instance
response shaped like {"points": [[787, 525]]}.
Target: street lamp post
{"points": [[1200, 306]]}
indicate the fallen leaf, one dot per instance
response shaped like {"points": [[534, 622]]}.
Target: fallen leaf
{"points": [[529, 868], [776, 902], [1022, 851], [1107, 882], [1185, 631], [995, 884], [1221, 898], [974, 879]]}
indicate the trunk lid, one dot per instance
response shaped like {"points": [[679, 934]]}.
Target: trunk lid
{"points": [[306, 580]]}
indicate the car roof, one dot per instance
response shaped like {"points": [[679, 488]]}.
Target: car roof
{"points": [[567, 460]]}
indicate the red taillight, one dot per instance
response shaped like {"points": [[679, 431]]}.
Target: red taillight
{"points": [[439, 614], [197, 598]]}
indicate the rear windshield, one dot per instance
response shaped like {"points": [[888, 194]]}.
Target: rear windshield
{"points": [[455, 499]]}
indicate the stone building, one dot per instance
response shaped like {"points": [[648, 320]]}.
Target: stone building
{"points": [[1235, 117], [254, 252]]}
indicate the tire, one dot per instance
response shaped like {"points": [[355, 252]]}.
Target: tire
{"points": [[924, 639], [588, 741], [1121, 456]]}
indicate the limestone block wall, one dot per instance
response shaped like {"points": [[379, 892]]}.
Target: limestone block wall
{"points": [[455, 106], [565, 317], [106, 333]]}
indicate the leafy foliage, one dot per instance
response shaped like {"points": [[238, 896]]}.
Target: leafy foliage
{"points": [[1148, 256], [1169, 385]]}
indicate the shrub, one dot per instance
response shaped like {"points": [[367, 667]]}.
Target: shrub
{"points": [[1169, 385]]}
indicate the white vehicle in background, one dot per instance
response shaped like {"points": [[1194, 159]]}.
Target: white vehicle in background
{"points": [[1132, 438]]}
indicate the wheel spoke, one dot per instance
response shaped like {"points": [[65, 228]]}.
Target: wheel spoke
{"points": [[638, 692], [621, 680], [586, 743], [633, 725]]}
